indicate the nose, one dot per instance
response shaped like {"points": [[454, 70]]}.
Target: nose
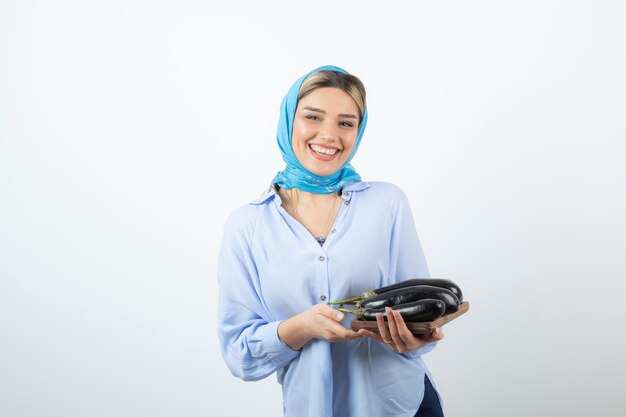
{"points": [[328, 133], [327, 136]]}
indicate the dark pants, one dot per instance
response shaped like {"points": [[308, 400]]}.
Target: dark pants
{"points": [[430, 406]]}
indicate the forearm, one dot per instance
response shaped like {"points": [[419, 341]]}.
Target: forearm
{"points": [[293, 332]]}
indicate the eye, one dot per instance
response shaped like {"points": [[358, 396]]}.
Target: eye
{"points": [[311, 117], [346, 124]]}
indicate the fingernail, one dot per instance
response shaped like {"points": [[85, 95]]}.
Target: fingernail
{"points": [[339, 316]]}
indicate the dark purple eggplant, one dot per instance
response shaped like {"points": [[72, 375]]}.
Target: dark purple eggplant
{"points": [[416, 311], [435, 282], [409, 294]]}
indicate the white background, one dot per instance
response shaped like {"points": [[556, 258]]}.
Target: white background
{"points": [[130, 129]]}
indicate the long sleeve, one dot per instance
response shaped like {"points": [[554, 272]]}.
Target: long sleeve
{"points": [[248, 334], [407, 259], [406, 255]]}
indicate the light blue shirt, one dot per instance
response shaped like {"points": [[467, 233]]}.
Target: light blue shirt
{"points": [[271, 268]]}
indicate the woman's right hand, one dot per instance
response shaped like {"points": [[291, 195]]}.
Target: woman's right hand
{"points": [[319, 322]]}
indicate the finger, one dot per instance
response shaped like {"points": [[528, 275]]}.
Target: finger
{"points": [[329, 312], [353, 335], [436, 334], [332, 325], [349, 335], [370, 334], [403, 331], [337, 331], [339, 337], [385, 337], [393, 330]]}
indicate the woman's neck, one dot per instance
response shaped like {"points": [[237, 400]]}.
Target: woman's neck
{"points": [[316, 212], [299, 198]]}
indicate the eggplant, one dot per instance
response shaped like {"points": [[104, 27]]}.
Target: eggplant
{"points": [[416, 311], [435, 282], [409, 294]]}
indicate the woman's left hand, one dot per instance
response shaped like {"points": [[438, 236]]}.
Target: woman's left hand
{"points": [[397, 336]]}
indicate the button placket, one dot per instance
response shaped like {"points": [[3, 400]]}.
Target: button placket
{"points": [[324, 289], [346, 196], [324, 281]]}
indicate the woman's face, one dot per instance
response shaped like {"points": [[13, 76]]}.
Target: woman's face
{"points": [[325, 128]]}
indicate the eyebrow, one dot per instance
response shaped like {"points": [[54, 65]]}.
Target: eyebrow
{"points": [[351, 116]]}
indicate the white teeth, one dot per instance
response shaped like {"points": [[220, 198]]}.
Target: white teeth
{"points": [[324, 151]]}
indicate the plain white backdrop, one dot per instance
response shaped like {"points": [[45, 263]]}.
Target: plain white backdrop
{"points": [[130, 129]]}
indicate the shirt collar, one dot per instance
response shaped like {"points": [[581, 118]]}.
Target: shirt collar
{"points": [[348, 188]]}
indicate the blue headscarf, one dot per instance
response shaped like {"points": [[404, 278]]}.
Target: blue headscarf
{"points": [[295, 175]]}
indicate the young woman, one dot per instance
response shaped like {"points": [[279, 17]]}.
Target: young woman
{"points": [[322, 234]]}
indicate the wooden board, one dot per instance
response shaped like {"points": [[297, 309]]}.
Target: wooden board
{"points": [[415, 328]]}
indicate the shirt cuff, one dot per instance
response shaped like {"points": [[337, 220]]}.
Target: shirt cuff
{"points": [[274, 347]]}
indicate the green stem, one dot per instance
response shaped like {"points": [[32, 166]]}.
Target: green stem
{"points": [[347, 301], [358, 312]]}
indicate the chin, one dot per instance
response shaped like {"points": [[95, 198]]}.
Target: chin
{"points": [[323, 172]]}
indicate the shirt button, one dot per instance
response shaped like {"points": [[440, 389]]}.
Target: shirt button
{"points": [[323, 298], [321, 258], [333, 231], [346, 203], [346, 194]]}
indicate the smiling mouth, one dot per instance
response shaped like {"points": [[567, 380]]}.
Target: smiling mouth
{"points": [[323, 151]]}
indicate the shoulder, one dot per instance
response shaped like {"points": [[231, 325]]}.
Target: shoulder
{"points": [[241, 223], [247, 215], [389, 192], [242, 216], [387, 189]]}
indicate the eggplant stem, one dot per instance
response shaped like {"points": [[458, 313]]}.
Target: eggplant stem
{"points": [[347, 301], [368, 294], [358, 312]]}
